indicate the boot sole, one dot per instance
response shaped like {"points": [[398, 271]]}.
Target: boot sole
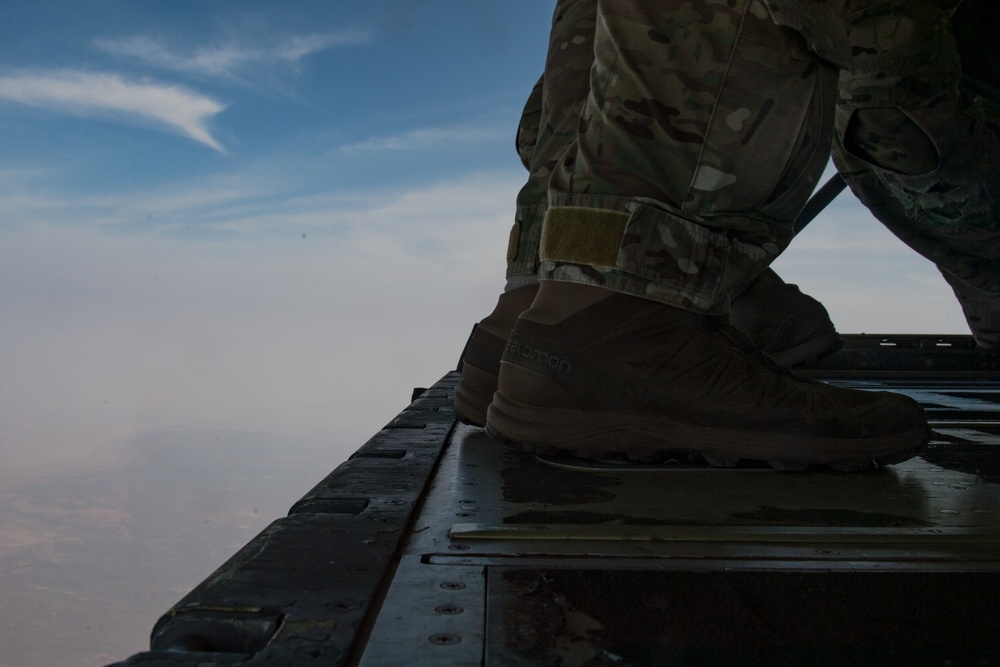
{"points": [[594, 435]]}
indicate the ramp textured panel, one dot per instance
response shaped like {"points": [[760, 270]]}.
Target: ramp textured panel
{"points": [[435, 545]]}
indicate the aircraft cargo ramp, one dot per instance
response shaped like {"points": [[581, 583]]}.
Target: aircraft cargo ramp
{"points": [[434, 545]]}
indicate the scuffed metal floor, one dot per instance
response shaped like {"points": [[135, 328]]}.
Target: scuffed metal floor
{"points": [[574, 562], [435, 545]]}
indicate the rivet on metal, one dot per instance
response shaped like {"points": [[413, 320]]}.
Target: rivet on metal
{"points": [[449, 609]]}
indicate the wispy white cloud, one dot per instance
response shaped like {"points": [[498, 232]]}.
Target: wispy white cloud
{"points": [[89, 93], [423, 138], [240, 60]]}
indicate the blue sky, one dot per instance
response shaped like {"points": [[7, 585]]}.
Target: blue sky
{"points": [[242, 233], [333, 96], [236, 213], [238, 221], [188, 183]]}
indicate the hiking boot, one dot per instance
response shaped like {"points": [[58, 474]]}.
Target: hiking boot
{"points": [[791, 327], [594, 373], [481, 362]]}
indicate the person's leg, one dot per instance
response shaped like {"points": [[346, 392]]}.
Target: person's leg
{"points": [[705, 130], [791, 326], [921, 153], [547, 128]]}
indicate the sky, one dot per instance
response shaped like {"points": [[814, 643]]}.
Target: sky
{"points": [[231, 202], [234, 235]]}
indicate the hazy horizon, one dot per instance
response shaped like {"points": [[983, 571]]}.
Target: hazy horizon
{"points": [[234, 237]]}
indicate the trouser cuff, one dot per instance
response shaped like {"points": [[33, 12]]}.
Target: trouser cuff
{"points": [[649, 252], [522, 245]]}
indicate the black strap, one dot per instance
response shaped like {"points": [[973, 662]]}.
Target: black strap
{"points": [[820, 199]]}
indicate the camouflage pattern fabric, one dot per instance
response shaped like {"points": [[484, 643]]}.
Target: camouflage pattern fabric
{"points": [[709, 125], [918, 147], [548, 127], [701, 126], [820, 22]]}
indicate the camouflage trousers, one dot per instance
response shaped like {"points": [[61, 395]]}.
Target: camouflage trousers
{"points": [[919, 150], [548, 128], [671, 143]]}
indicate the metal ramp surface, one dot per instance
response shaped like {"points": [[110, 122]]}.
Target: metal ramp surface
{"points": [[434, 545]]}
